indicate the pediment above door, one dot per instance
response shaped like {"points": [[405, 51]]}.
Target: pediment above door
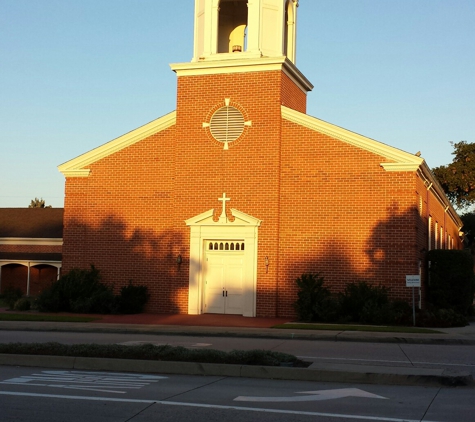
{"points": [[240, 219]]}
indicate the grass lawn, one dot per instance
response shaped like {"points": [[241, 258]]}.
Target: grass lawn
{"points": [[7, 316], [343, 327]]}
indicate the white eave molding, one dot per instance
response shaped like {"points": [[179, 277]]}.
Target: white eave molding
{"points": [[243, 64], [433, 184], [30, 263], [32, 241], [403, 161], [75, 167]]}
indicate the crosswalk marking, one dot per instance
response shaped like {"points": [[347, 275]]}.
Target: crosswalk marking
{"points": [[109, 382]]}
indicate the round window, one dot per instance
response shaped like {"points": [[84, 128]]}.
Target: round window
{"points": [[227, 124]]}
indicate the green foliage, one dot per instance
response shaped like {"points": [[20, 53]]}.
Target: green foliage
{"points": [[451, 280], [11, 295], [468, 229], [441, 318], [458, 177], [132, 299], [360, 303], [314, 302], [152, 352], [81, 291], [22, 304], [401, 312], [38, 203]]}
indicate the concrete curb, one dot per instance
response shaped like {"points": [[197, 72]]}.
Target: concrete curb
{"points": [[320, 373], [346, 336]]}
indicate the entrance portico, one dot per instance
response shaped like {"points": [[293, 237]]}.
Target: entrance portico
{"points": [[223, 263]]}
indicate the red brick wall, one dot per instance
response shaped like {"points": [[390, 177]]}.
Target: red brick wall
{"points": [[118, 219], [249, 172], [292, 96], [326, 206], [343, 216]]}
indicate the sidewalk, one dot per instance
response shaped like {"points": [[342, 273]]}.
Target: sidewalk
{"points": [[238, 326]]}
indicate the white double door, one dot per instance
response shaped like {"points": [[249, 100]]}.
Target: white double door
{"points": [[224, 283]]}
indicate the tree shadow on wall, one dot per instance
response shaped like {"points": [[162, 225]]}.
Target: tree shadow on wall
{"points": [[395, 246], [142, 255], [392, 250]]}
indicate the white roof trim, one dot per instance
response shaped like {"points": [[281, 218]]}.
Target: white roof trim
{"points": [[31, 263], [403, 161], [31, 241], [75, 167], [241, 65]]}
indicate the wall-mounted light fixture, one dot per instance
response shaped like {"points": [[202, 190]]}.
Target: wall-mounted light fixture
{"points": [[179, 259], [267, 264]]}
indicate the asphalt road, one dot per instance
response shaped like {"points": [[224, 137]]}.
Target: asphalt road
{"points": [[451, 357], [40, 395]]}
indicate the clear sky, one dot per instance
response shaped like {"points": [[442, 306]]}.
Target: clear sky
{"points": [[75, 74]]}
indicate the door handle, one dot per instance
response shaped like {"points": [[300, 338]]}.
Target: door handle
{"points": [[223, 293], [226, 293]]}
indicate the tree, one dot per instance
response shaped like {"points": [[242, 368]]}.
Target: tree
{"points": [[468, 220], [458, 178], [38, 203]]}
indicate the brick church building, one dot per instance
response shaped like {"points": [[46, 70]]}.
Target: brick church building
{"points": [[221, 204]]}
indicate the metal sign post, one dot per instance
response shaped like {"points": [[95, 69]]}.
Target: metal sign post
{"points": [[413, 281]]}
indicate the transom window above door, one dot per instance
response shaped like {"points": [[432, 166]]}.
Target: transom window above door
{"points": [[226, 246]]}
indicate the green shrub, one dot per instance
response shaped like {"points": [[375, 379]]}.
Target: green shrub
{"points": [[132, 299], [401, 312], [451, 280], [11, 295], [78, 291], [152, 352], [440, 318], [362, 302], [81, 291], [22, 304], [314, 302]]}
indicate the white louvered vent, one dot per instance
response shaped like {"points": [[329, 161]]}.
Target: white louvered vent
{"points": [[227, 124]]}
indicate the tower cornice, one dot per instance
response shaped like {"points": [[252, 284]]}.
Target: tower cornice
{"points": [[243, 65]]}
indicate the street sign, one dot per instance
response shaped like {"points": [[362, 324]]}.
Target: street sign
{"points": [[413, 281]]}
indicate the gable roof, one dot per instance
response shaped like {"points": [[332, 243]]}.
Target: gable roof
{"points": [[34, 223], [402, 161], [76, 166]]}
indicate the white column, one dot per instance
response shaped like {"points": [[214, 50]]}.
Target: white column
{"points": [[28, 280], [253, 26]]}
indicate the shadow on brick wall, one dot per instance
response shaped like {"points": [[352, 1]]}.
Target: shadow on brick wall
{"points": [[139, 255], [394, 248]]}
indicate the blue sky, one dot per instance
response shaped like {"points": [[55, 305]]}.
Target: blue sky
{"points": [[75, 74]]}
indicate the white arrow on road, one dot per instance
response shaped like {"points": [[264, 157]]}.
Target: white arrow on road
{"points": [[315, 396]]}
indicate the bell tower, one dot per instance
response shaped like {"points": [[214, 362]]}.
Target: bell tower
{"points": [[225, 29], [229, 135], [243, 36]]}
